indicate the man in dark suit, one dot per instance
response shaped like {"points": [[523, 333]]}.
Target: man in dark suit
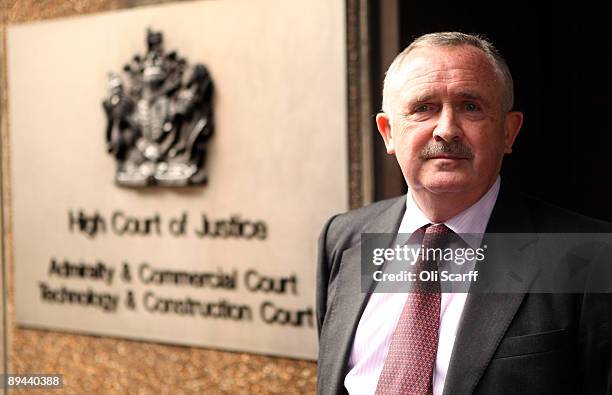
{"points": [[447, 116]]}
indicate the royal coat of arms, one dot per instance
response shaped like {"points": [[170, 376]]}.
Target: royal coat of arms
{"points": [[159, 119]]}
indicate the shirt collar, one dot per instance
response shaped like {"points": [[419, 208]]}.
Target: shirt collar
{"points": [[472, 220]]}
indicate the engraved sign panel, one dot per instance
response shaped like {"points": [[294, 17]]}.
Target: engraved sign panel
{"points": [[228, 265]]}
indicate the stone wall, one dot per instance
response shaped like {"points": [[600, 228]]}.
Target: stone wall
{"points": [[108, 365]]}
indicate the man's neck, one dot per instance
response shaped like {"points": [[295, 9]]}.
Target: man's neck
{"points": [[440, 207]]}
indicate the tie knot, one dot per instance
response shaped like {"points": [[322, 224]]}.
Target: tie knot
{"points": [[437, 229], [436, 235]]}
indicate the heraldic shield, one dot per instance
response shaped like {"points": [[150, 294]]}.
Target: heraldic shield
{"points": [[160, 120]]}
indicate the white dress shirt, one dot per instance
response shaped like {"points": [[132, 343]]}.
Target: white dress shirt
{"points": [[383, 310]]}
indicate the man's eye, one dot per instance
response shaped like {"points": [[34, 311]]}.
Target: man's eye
{"points": [[471, 107], [422, 108]]}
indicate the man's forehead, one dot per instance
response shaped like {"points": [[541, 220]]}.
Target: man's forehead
{"points": [[466, 70], [445, 62]]}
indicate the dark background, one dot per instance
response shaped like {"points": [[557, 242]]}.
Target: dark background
{"points": [[559, 56]]}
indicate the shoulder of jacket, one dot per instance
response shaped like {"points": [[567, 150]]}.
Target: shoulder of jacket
{"points": [[554, 219], [345, 229]]}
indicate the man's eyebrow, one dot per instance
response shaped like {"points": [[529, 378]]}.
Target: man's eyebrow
{"points": [[420, 98], [424, 97], [470, 95]]}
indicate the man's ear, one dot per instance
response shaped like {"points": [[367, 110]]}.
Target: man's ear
{"points": [[512, 126], [384, 128]]}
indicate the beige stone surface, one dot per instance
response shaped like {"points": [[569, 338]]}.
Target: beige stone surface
{"points": [[114, 365], [278, 156]]}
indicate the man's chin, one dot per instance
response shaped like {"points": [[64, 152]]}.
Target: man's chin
{"points": [[450, 183]]}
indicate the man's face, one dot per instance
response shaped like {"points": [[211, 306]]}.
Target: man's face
{"points": [[446, 123]]}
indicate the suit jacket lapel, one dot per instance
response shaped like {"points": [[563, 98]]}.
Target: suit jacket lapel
{"points": [[349, 301], [487, 316]]}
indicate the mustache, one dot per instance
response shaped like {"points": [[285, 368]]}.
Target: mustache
{"points": [[453, 148]]}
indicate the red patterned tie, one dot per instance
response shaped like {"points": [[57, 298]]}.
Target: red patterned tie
{"points": [[410, 362]]}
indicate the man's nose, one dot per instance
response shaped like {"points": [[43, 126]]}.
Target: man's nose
{"points": [[447, 128]]}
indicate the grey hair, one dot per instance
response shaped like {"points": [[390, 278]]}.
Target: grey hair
{"points": [[454, 39]]}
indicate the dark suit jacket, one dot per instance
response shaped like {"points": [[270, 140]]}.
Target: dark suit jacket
{"points": [[523, 342]]}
